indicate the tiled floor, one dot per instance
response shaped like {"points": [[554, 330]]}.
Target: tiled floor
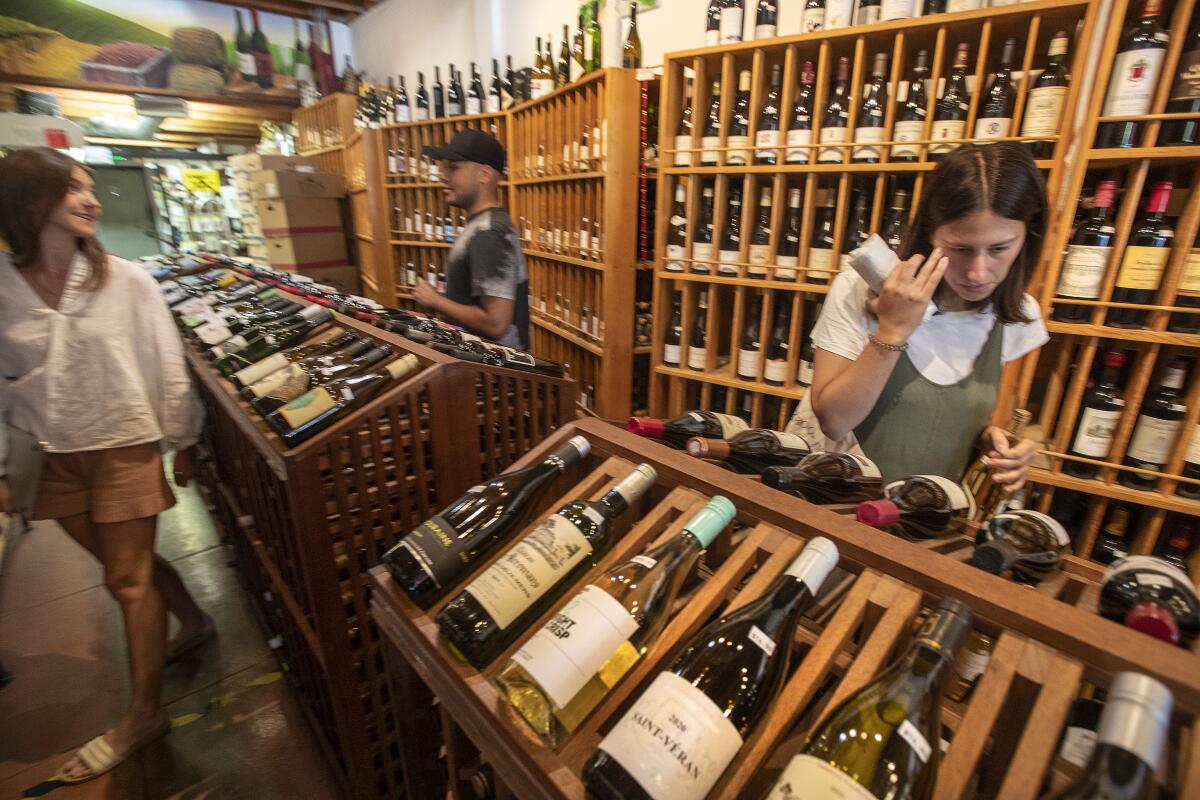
{"points": [[239, 732]]}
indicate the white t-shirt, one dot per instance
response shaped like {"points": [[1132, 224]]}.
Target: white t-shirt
{"points": [[943, 348]]}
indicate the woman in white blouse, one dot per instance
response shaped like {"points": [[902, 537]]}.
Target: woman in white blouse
{"points": [[92, 366], [911, 374]]}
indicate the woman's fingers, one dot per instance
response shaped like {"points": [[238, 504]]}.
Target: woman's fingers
{"points": [[931, 277]]}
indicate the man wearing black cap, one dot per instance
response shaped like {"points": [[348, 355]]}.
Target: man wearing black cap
{"points": [[487, 286]]}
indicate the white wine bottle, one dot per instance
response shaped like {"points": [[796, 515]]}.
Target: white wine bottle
{"points": [[883, 741], [563, 672], [687, 726]]}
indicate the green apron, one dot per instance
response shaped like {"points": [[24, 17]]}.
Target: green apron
{"points": [[918, 427]]}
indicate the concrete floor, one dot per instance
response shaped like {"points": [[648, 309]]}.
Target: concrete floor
{"points": [[238, 731]]}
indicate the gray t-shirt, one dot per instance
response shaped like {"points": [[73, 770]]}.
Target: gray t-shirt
{"points": [[486, 260]]}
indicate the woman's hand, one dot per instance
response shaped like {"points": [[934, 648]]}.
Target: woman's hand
{"points": [[185, 466], [900, 306], [1009, 464]]}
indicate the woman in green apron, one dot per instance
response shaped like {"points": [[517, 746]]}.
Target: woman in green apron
{"points": [[910, 374]]}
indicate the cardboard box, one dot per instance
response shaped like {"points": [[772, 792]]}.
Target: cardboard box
{"points": [[344, 278], [307, 251], [255, 250], [254, 162], [298, 216], [274, 184]]}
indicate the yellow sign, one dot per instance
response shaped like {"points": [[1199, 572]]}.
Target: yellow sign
{"points": [[202, 180]]}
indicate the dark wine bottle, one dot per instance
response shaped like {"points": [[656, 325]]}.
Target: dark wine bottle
{"points": [[766, 20], [1044, 106], [439, 94], [1099, 414], [702, 240], [422, 98], [778, 345], [749, 357], [1188, 293], [752, 450], [676, 432], [788, 257], [1144, 259], [710, 138], [245, 57], [712, 23], [494, 608], [998, 100], [697, 343], [1150, 595], [737, 138], [1179, 543], [293, 370], [291, 385], [674, 334], [260, 48], [278, 361], [896, 222], [258, 348], [869, 127], [759, 254], [799, 132], [1134, 77], [950, 112], [729, 248], [820, 251], [429, 560], [1025, 543], [919, 507], [1158, 425], [677, 233], [835, 120], [1087, 258], [1185, 95], [911, 112], [712, 697], [1112, 543], [828, 478], [766, 138], [1191, 467]]}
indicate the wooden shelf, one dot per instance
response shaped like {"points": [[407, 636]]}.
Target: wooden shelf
{"points": [[1124, 334], [753, 283], [1117, 156], [461, 118], [422, 243], [724, 376], [531, 252], [320, 151], [566, 176], [568, 332], [1114, 491], [284, 104]]}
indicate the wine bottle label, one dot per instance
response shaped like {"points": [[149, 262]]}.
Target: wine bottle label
{"points": [[838, 14], [1152, 440], [820, 263], [767, 139], [213, 333], [1077, 746], [708, 151], [1193, 452], [245, 62], [712, 37], [946, 129], [1190, 280], [675, 254], [867, 136], [811, 778], [813, 19], [697, 357], [865, 465], [1043, 111], [731, 25], [760, 256], [908, 130], [307, 406], [644, 560], [992, 127], [529, 569], [728, 260], [230, 346], [403, 114], [916, 740], [274, 385], [962, 5], [830, 136], [895, 9], [730, 425], [775, 370], [971, 664], [683, 143], [1095, 435], [1083, 271], [473, 106], [673, 741], [764, 642], [867, 15], [493, 104], [1155, 581], [747, 364], [790, 440], [1142, 267], [738, 153], [256, 372], [702, 251], [954, 491], [1187, 78], [795, 138], [1134, 78], [785, 265], [671, 354], [422, 113], [765, 31], [436, 547], [576, 643]]}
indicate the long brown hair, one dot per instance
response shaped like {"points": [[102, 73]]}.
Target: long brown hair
{"points": [[32, 184], [1001, 178]]}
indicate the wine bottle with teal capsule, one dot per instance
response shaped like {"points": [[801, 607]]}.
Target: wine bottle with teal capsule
{"points": [[497, 606], [561, 674]]}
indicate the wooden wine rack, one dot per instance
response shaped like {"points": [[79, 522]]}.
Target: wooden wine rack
{"points": [[1002, 740], [325, 126], [1054, 380], [717, 386]]}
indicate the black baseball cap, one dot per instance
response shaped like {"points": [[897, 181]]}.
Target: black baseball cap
{"points": [[470, 144]]}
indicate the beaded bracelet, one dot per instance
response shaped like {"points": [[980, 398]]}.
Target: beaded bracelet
{"points": [[885, 347]]}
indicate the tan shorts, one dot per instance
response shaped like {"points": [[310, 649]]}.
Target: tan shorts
{"points": [[113, 485]]}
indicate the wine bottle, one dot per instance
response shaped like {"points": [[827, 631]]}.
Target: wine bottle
{"points": [[431, 558], [549, 74], [259, 348], [990, 497], [282, 359], [730, 248], [631, 51], [910, 115], [1188, 293], [950, 112], [996, 105], [799, 133], [737, 139], [494, 608], [439, 94], [1113, 543], [319, 408], [260, 48], [1150, 595], [712, 697], [702, 242], [712, 23], [838, 14], [293, 383], [857, 226], [1158, 424], [972, 662], [869, 127], [710, 139], [673, 335], [592, 47], [820, 250], [1025, 543], [299, 370], [760, 238], [828, 478], [883, 741], [804, 370], [752, 450], [787, 259], [675, 432], [918, 507], [1101, 411], [775, 368], [749, 358], [837, 113], [813, 16], [475, 93], [697, 349], [766, 138], [1144, 259], [1191, 468], [563, 75], [732, 20], [454, 95], [897, 9], [766, 20], [1179, 544], [245, 56], [683, 131], [1185, 95], [422, 98], [896, 222], [1087, 257], [1044, 106], [508, 93], [1134, 77], [563, 672], [677, 233], [1130, 740]]}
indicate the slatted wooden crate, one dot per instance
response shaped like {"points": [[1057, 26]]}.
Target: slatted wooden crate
{"points": [[326, 124], [1001, 742], [308, 522]]}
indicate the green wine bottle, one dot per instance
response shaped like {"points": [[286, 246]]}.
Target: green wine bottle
{"points": [[293, 386], [562, 673], [261, 369], [270, 343], [495, 607], [883, 742], [687, 726], [293, 369]]}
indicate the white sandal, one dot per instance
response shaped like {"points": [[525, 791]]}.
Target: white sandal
{"points": [[99, 757]]}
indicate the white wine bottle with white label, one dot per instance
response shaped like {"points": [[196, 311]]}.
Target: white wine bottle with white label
{"points": [[883, 742], [565, 670], [1026, 544], [497, 606], [752, 450], [688, 725]]}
